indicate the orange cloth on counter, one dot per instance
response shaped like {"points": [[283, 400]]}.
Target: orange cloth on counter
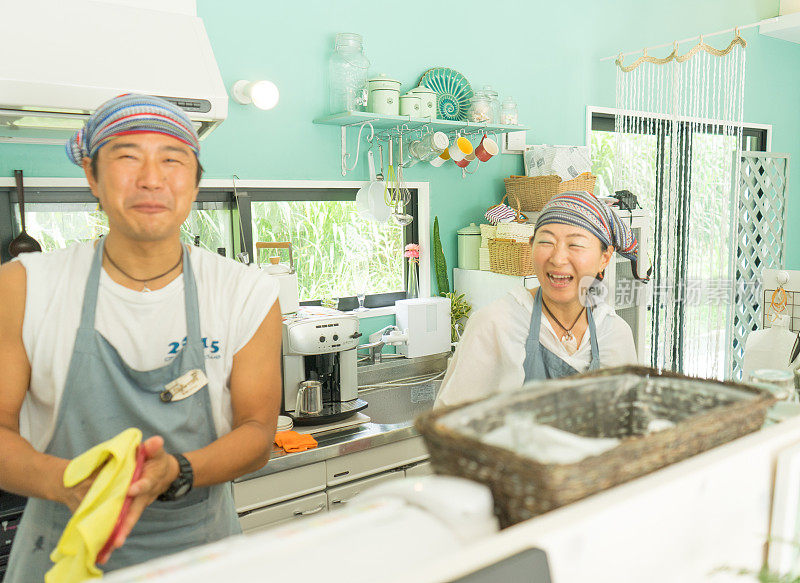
{"points": [[292, 442]]}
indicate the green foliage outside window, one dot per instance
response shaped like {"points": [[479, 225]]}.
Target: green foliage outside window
{"points": [[330, 242]]}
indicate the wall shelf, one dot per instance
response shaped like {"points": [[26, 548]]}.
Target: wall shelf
{"points": [[387, 122], [786, 27], [388, 127]]}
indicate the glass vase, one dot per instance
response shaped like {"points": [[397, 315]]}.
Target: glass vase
{"points": [[412, 290]]}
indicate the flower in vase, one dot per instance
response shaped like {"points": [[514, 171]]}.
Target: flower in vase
{"points": [[412, 252]]}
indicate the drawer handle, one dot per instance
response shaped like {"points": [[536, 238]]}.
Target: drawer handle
{"points": [[309, 512], [344, 501], [340, 474]]}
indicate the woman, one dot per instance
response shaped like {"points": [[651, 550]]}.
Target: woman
{"points": [[560, 328]]}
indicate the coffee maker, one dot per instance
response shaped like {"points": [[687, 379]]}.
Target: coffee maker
{"points": [[319, 344]]}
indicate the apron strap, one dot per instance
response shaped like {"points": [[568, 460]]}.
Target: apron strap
{"points": [[92, 286], [534, 366]]}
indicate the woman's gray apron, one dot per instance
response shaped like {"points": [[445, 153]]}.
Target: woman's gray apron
{"points": [[540, 363], [103, 396]]}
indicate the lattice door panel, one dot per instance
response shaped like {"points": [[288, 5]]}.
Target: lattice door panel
{"points": [[759, 222]]}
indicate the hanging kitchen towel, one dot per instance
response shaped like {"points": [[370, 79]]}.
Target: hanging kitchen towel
{"points": [[94, 520], [292, 442]]}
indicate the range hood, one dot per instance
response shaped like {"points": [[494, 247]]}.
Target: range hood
{"points": [[63, 58]]}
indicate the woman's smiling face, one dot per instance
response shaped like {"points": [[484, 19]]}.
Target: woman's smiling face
{"points": [[562, 256]]}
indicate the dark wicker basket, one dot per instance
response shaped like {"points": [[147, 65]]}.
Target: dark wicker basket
{"points": [[616, 402]]}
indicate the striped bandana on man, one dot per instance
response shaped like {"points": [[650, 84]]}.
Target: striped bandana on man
{"points": [[131, 114]]}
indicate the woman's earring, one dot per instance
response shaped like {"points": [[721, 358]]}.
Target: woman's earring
{"points": [[600, 276]]}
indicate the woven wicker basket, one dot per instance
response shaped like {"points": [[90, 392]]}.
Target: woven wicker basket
{"points": [[508, 257], [532, 191], [584, 182], [617, 402], [519, 232], [487, 232]]}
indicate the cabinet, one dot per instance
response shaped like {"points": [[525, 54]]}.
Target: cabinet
{"points": [[340, 495], [276, 514], [421, 469], [483, 287], [293, 494]]}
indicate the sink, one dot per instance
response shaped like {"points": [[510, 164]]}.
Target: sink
{"points": [[399, 405]]}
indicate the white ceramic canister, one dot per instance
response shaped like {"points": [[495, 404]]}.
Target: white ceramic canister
{"points": [[384, 95], [427, 99], [469, 246], [410, 105], [384, 101]]}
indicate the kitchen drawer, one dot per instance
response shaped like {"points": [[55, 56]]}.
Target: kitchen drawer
{"points": [[271, 516], [420, 469], [352, 466], [258, 492], [338, 496]]}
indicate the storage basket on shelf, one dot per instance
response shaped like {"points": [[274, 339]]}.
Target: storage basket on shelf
{"points": [[532, 191], [519, 232], [487, 232], [619, 403], [584, 182], [484, 262], [508, 257]]}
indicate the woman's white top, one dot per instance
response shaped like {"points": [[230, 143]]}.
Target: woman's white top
{"points": [[491, 354]]}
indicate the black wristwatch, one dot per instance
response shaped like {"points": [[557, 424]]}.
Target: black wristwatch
{"points": [[182, 485]]}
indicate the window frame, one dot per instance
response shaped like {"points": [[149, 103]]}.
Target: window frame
{"points": [[603, 119], [76, 190]]}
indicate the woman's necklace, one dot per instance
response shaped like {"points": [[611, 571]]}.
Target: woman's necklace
{"points": [[146, 280], [568, 338]]}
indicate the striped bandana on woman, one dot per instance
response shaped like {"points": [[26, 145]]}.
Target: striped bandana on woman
{"points": [[131, 114], [584, 210]]}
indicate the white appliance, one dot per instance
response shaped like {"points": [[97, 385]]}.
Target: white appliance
{"points": [[426, 323], [66, 58], [377, 536]]}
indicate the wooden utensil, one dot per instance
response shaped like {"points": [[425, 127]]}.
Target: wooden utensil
{"points": [[22, 243]]}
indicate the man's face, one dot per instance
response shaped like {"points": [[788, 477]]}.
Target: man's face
{"points": [[146, 184]]}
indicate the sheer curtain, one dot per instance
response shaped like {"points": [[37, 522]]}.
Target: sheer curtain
{"points": [[692, 104]]}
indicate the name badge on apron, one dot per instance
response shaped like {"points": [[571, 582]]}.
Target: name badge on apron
{"points": [[184, 386]]}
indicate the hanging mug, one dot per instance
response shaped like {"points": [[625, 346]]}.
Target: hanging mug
{"points": [[460, 149], [486, 149]]}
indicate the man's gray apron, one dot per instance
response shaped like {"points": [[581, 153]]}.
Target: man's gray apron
{"points": [[540, 363], [103, 396]]}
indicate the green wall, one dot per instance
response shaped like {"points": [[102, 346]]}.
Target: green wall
{"points": [[545, 54]]}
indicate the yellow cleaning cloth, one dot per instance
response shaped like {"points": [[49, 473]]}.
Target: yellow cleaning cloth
{"points": [[91, 525]]}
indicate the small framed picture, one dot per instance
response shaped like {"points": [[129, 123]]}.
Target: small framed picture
{"points": [[784, 543]]}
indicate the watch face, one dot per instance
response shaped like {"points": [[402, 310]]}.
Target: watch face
{"points": [[183, 489]]}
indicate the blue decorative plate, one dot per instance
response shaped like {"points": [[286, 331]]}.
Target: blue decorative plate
{"points": [[452, 92]]}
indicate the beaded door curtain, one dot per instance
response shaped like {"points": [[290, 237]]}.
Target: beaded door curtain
{"points": [[692, 105]]}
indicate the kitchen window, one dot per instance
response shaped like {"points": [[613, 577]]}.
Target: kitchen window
{"points": [[337, 253], [709, 193], [58, 225]]}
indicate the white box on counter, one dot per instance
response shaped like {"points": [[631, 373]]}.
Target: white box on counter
{"points": [[427, 322]]}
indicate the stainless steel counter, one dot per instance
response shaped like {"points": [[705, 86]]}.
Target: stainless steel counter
{"points": [[391, 408]]}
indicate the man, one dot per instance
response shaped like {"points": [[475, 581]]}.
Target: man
{"points": [[91, 335]]}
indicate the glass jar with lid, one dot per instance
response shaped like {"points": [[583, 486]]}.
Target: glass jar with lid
{"points": [[480, 108], [509, 114], [347, 71], [494, 102]]}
